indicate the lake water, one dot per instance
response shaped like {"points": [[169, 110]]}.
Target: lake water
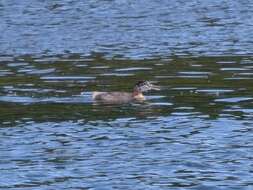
{"points": [[196, 133]]}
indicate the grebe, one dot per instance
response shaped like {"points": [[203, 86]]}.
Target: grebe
{"points": [[124, 97]]}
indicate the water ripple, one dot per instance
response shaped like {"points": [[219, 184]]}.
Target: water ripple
{"points": [[129, 30]]}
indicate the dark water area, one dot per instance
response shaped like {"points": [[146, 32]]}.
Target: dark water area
{"points": [[195, 133]]}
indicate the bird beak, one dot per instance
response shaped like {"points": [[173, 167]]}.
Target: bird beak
{"points": [[155, 87]]}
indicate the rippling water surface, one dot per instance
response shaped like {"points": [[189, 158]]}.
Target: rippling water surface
{"points": [[136, 29], [196, 133]]}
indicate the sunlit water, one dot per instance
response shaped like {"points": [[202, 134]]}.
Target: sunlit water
{"points": [[196, 133]]}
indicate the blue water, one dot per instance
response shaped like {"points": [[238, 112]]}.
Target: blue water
{"points": [[195, 133], [124, 28]]}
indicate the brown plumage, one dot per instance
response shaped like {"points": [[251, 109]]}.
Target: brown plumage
{"points": [[124, 97]]}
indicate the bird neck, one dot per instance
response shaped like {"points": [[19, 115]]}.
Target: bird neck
{"points": [[138, 95]]}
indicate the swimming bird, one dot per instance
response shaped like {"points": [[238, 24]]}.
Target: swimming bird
{"points": [[124, 97]]}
